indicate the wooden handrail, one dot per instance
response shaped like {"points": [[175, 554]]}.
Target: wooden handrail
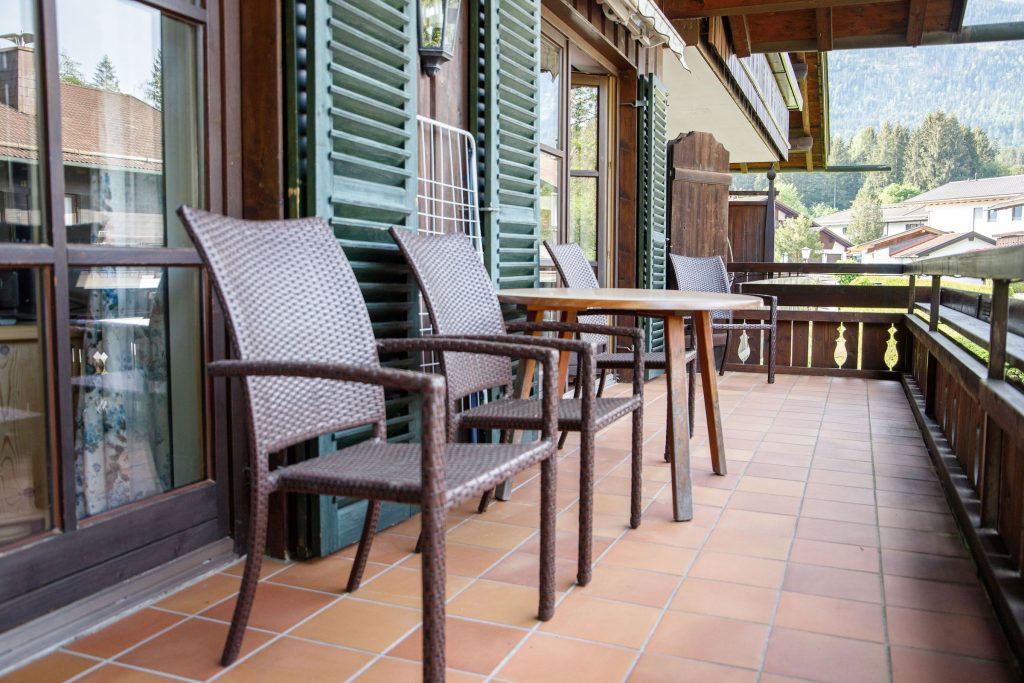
{"points": [[817, 268], [1003, 263]]}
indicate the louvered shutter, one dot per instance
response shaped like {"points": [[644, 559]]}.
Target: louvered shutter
{"points": [[508, 68], [362, 177], [652, 162]]}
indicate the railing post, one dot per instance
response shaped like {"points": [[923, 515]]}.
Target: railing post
{"points": [[992, 466], [936, 302], [912, 295]]}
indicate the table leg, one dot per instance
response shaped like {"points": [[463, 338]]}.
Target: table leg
{"points": [[678, 427], [709, 381]]}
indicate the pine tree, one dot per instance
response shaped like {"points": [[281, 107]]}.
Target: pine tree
{"points": [[105, 76], [894, 193], [155, 85], [70, 70]]}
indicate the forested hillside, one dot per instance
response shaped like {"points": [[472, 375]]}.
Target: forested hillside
{"points": [[980, 83]]}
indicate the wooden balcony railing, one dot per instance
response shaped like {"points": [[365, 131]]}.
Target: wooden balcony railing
{"points": [[960, 358]]}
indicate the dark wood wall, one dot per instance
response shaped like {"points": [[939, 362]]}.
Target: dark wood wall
{"points": [[746, 232], [445, 96], [698, 196]]}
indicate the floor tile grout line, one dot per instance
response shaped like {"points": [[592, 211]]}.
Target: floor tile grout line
{"points": [[666, 608]]}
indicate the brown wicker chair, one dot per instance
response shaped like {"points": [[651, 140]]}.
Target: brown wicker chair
{"points": [[461, 302], [310, 366], [575, 271], [708, 274]]}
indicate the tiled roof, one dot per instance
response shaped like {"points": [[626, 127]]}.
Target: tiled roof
{"points": [[1008, 203], [100, 128], [982, 188], [891, 213], [912, 236], [939, 241]]}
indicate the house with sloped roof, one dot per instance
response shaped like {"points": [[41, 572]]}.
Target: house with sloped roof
{"points": [[896, 217], [985, 205]]}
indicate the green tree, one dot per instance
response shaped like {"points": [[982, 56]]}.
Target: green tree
{"points": [[788, 194], [155, 85], [894, 193], [105, 76], [793, 235], [940, 150], [70, 70], [822, 209], [866, 222]]}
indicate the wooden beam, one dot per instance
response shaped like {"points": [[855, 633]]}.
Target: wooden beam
{"points": [[689, 9], [823, 25], [915, 22], [740, 35]]}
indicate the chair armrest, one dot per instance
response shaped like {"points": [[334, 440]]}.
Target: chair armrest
{"points": [[587, 328], [506, 346], [343, 372]]}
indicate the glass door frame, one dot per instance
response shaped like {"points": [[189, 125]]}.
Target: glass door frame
{"points": [[73, 559], [604, 172]]}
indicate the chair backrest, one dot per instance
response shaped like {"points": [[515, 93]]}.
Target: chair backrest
{"points": [[702, 274], [290, 295], [575, 270], [461, 301]]}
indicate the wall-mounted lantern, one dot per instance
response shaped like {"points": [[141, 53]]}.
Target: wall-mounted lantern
{"points": [[806, 253], [439, 26]]}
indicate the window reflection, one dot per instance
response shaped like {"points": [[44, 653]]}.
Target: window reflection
{"points": [[583, 214], [126, 159], [20, 202], [24, 494], [550, 93], [583, 127], [550, 211]]}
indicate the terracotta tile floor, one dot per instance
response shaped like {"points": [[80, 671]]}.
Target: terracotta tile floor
{"points": [[826, 554]]}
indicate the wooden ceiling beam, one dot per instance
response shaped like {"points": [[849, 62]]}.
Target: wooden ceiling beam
{"points": [[915, 22], [823, 25], [740, 35], [689, 9]]}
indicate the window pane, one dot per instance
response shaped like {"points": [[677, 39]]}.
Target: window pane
{"points": [[24, 494], [128, 160], [20, 199], [583, 130], [135, 351], [583, 214], [550, 210], [550, 93]]}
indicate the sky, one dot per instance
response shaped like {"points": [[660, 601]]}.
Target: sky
{"points": [[88, 29]]}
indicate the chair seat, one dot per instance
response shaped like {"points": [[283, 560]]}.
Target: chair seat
{"points": [[515, 413], [653, 360], [386, 471]]}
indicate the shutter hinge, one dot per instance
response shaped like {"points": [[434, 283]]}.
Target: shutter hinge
{"points": [[489, 209], [638, 104]]}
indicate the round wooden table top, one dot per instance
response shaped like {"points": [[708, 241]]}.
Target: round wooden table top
{"points": [[663, 300]]}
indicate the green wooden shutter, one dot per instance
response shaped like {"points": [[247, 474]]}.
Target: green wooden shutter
{"points": [[508, 68], [362, 177], [652, 171]]}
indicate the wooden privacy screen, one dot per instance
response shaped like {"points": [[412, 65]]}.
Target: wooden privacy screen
{"points": [[699, 196]]}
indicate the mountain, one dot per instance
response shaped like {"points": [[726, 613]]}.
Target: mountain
{"points": [[980, 83]]}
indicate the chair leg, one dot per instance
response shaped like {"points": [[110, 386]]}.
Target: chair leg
{"points": [[637, 474], [548, 514], [250, 576], [725, 353], [433, 575], [355, 576], [576, 395], [586, 526], [771, 355], [600, 382], [503, 489], [691, 372]]}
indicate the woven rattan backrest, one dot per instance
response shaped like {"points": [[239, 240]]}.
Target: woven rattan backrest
{"points": [[702, 274], [575, 270], [290, 295], [461, 301]]}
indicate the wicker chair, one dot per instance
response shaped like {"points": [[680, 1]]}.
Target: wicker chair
{"points": [[310, 366], [461, 302], [708, 274], [575, 271]]}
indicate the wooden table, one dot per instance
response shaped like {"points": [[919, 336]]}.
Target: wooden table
{"points": [[672, 306]]}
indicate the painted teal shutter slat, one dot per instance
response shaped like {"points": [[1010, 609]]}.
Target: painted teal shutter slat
{"points": [[652, 198], [508, 70], [362, 177]]}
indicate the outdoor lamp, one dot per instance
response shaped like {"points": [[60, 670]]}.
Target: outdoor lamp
{"points": [[438, 24], [805, 252]]}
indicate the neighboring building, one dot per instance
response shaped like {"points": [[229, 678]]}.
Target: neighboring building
{"points": [[881, 250], [986, 205], [944, 245], [1006, 239], [833, 245], [896, 217]]}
